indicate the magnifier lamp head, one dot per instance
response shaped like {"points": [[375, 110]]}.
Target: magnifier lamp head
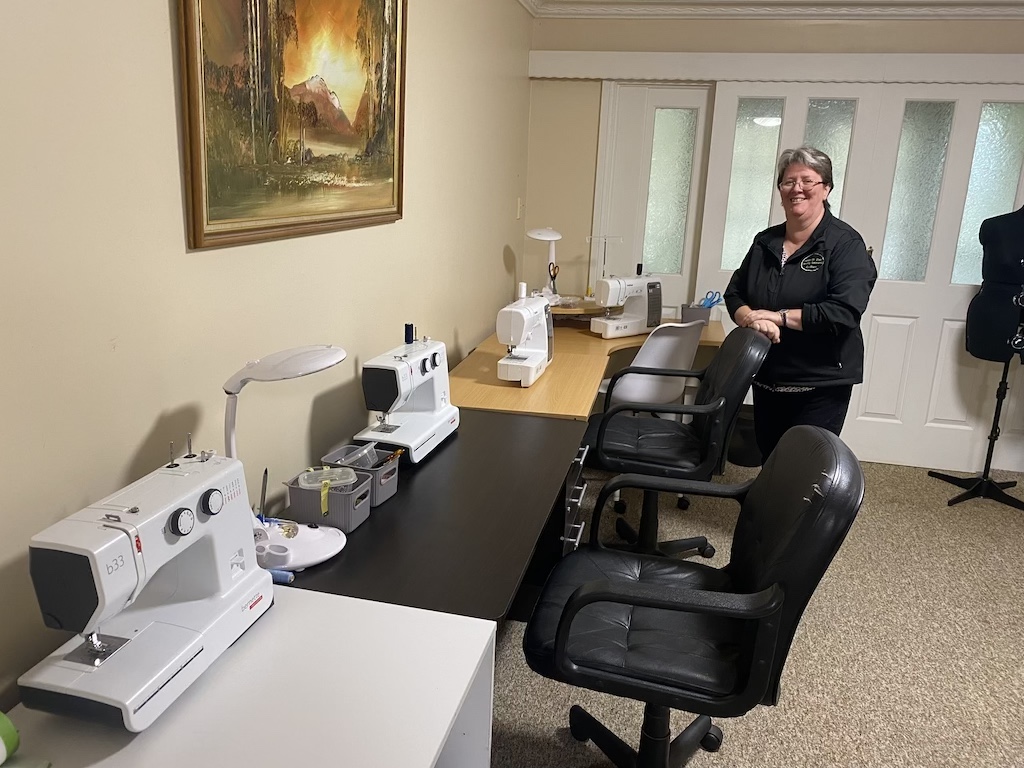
{"points": [[287, 364], [544, 233]]}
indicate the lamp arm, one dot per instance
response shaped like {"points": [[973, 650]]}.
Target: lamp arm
{"points": [[230, 409]]}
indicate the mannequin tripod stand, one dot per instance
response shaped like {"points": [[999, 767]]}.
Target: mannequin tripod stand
{"points": [[984, 486]]}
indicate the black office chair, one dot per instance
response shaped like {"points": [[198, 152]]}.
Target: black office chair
{"points": [[678, 634], [629, 437]]}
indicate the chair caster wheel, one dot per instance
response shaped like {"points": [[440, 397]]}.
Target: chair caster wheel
{"points": [[708, 551], [712, 740], [620, 507], [577, 722], [682, 503]]}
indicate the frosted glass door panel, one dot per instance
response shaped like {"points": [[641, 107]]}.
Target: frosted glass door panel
{"points": [[752, 179], [830, 129], [668, 195], [995, 177], [920, 162]]}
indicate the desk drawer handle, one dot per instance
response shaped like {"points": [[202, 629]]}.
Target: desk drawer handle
{"points": [[579, 535], [577, 494], [581, 454]]}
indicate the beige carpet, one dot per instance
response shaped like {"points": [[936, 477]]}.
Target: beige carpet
{"points": [[911, 652]]}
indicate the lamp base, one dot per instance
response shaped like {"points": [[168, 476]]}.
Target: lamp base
{"points": [[285, 545]]}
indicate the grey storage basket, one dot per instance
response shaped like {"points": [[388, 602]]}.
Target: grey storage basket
{"points": [[385, 477], [347, 508]]}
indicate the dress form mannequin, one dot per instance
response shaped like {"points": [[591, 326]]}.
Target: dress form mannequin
{"points": [[995, 331]]}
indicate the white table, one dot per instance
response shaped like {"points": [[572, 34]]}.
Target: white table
{"points": [[320, 680]]}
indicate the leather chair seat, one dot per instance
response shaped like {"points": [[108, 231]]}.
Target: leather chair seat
{"points": [[645, 439], [659, 646]]}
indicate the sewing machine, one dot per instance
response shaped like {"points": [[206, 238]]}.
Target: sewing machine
{"points": [[408, 387], [524, 326], [640, 299], [158, 580]]}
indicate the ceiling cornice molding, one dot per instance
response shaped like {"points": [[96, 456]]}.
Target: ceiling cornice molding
{"points": [[767, 9]]}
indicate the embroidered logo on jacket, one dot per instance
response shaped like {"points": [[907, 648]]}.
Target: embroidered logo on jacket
{"points": [[812, 262]]}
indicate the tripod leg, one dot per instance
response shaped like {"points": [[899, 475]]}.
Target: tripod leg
{"points": [[995, 491], [961, 482]]}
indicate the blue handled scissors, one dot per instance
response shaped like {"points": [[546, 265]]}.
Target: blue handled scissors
{"points": [[712, 299]]}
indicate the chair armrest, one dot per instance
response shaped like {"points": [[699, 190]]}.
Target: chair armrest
{"points": [[648, 372], [755, 605], [737, 491], [763, 608], [691, 409]]}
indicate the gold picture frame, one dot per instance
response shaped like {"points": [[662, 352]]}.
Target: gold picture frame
{"points": [[292, 116]]}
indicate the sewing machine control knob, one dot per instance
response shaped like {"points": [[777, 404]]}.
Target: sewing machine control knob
{"points": [[183, 520], [211, 502], [435, 360], [424, 366]]}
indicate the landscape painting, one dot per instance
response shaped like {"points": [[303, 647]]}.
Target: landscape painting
{"points": [[293, 116]]}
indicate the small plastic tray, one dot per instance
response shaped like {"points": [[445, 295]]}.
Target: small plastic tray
{"points": [[347, 509], [385, 476], [360, 456]]}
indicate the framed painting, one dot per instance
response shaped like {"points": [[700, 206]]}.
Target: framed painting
{"points": [[293, 116]]}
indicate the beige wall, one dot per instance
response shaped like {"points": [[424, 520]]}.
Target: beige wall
{"points": [[778, 36], [116, 339], [560, 178]]}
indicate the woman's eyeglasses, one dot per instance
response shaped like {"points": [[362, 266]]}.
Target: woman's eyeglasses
{"points": [[804, 184]]}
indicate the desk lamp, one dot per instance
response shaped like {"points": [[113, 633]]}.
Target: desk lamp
{"points": [[550, 235], [283, 544]]}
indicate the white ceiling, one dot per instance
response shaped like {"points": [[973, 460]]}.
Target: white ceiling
{"points": [[793, 9]]}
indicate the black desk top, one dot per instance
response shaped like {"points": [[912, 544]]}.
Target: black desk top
{"points": [[459, 533]]}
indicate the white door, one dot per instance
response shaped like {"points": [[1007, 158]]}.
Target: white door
{"points": [[925, 402], [944, 160], [649, 184]]}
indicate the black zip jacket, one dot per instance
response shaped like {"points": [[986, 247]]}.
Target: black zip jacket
{"points": [[830, 279]]}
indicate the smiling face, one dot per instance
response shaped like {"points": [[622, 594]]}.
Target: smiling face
{"points": [[803, 193]]}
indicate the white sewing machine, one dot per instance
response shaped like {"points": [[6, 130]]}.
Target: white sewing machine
{"points": [[408, 387], [640, 299], [158, 579], [524, 326]]}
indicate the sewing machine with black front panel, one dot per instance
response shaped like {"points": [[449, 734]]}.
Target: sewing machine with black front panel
{"points": [[408, 389], [157, 580]]}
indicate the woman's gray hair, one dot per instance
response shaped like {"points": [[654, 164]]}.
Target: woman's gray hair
{"points": [[813, 158]]}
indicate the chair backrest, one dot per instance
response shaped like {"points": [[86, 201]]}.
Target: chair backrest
{"points": [[729, 375], [670, 345], [792, 522]]}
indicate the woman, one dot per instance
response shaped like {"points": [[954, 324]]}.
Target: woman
{"points": [[804, 284]]}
